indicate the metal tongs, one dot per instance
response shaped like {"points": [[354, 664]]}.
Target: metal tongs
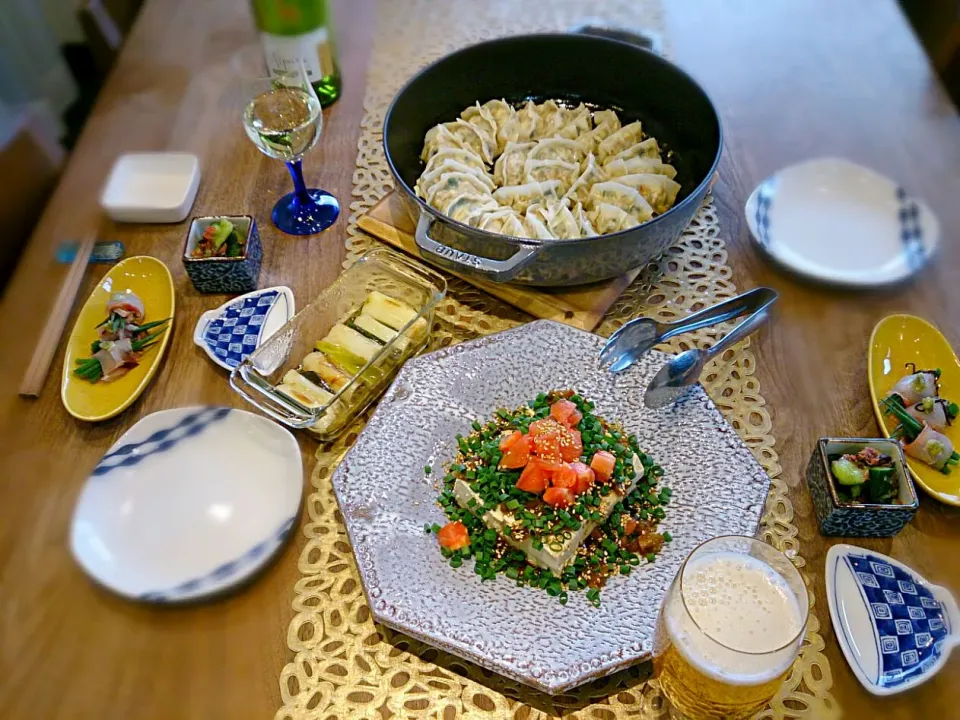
{"points": [[638, 336]]}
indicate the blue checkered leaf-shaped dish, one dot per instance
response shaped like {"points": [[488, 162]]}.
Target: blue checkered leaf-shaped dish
{"points": [[235, 329], [894, 628]]}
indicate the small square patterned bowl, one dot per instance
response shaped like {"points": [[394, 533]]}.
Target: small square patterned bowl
{"points": [[224, 274], [840, 517]]}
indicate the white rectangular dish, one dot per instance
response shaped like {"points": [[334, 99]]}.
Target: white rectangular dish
{"points": [[151, 187]]}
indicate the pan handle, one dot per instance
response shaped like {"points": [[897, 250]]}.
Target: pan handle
{"points": [[496, 270]]}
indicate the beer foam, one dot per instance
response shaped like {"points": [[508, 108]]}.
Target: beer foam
{"points": [[741, 613]]}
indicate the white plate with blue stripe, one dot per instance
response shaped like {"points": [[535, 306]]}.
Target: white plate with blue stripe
{"points": [[840, 223], [188, 503], [896, 630]]}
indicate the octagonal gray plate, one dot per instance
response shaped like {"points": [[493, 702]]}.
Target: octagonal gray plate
{"points": [[386, 498]]}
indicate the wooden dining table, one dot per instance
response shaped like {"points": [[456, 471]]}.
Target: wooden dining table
{"points": [[791, 81]]}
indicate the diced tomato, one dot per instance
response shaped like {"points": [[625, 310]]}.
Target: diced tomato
{"points": [[453, 535], [603, 464], [558, 497], [547, 446], [561, 411], [508, 441], [534, 477], [517, 455], [564, 477], [546, 425], [571, 445], [550, 464], [585, 477]]}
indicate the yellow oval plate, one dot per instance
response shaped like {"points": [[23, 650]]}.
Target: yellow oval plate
{"points": [[150, 280], [897, 340]]}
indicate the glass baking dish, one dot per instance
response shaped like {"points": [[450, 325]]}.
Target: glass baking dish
{"points": [[259, 375]]}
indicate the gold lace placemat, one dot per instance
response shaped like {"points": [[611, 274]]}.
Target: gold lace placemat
{"points": [[344, 665]]}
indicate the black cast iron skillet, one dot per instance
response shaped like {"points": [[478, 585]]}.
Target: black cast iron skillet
{"points": [[603, 73]]}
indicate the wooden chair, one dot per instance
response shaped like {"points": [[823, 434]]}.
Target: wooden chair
{"points": [[31, 162]]}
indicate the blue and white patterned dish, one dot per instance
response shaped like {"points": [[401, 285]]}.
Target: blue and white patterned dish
{"points": [[236, 328], [895, 629], [224, 274], [837, 222], [837, 516], [188, 503]]}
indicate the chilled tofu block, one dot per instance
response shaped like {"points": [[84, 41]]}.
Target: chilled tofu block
{"points": [[554, 560]]}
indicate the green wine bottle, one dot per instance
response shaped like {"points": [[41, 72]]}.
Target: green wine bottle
{"points": [[295, 31]]}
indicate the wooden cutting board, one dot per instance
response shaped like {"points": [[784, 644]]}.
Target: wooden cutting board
{"points": [[582, 306]]}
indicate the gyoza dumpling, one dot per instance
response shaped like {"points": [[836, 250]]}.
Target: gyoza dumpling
{"points": [[569, 151], [590, 142], [509, 167], [576, 122], [504, 221], [468, 207], [552, 118], [639, 164], [505, 117], [470, 136], [543, 170], [450, 184], [607, 218], [559, 220], [648, 148], [500, 110], [437, 138], [659, 190], [482, 119], [460, 134], [529, 122], [624, 197], [494, 220], [606, 117], [620, 140], [520, 197], [536, 227], [579, 117], [464, 156], [592, 173], [515, 227], [449, 166], [586, 227]]}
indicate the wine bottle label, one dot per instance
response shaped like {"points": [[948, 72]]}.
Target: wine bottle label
{"points": [[285, 52]]}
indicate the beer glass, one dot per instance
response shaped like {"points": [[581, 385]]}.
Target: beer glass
{"points": [[729, 629]]}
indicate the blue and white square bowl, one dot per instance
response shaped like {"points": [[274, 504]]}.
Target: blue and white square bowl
{"points": [[231, 332], [840, 517], [896, 630], [224, 275]]}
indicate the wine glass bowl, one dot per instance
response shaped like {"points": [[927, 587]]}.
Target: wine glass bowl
{"points": [[283, 119]]}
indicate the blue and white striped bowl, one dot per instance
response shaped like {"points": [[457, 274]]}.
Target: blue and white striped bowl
{"points": [[896, 630], [188, 503], [840, 223]]}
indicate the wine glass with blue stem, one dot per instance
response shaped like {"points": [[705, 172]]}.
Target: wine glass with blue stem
{"points": [[283, 119]]}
